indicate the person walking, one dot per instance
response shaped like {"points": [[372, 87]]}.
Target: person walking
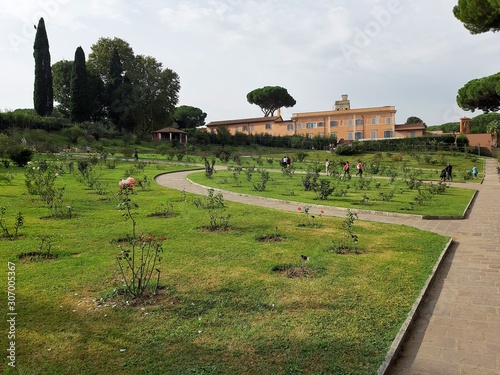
{"points": [[136, 154], [449, 172], [327, 167], [360, 169], [346, 169]]}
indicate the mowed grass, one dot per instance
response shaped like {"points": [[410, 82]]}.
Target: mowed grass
{"points": [[360, 194], [222, 309]]}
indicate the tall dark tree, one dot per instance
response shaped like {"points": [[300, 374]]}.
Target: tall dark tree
{"points": [[79, 104], [115, 96], [43, 97], [479, 16], [270, 98], [188, 117]]}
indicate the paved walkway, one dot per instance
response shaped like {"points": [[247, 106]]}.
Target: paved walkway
{"points": [[457, 329]]}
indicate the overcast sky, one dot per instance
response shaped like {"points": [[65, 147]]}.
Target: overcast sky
{"points": [[411, 54]]}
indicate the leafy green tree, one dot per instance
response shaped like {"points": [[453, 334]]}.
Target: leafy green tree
{"points": [[148, 94], [478, 16], [101, 56], [413, 120], [79, 103], [270, 98], [61, 74], [479, 124], [482, 93], [43, 96], [188, 117], [157, 92], [494, 129]]}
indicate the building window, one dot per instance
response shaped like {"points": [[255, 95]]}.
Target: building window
{"points": [[333, 124], [387, 120], [236, 128], [359, 121], [358, 135], [310, 135], [321, 124], [333, 135], [252, 128], [245, 128], [373, 134], [322, 135], [388, 134], [268, 126], [299, 126], [413, 134], [350, 136], [309, 125], [349, 122], [289, 127]]}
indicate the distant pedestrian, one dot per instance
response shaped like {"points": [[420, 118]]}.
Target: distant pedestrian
{"points": [[360, 169], [449, 172], [346, 169], [474, 171], [136, 154], [327, 167]]}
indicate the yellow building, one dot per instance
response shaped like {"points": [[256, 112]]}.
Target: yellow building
{"points": [[342, 122], [273, 125], [346, 123]]}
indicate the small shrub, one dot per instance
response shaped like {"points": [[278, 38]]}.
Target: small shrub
{"points": [[300, 156], [324, 190], [21, 157], [397, 157]]}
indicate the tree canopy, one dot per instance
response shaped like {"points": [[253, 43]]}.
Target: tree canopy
{"points": [[136, 93], [413, 120], [270, 98], [478, 16], [187, 117], [61, 75], [43, 96], [481, 93]]}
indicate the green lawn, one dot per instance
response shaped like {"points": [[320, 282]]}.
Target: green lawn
{"points": [[368, 193], [222, 309]]}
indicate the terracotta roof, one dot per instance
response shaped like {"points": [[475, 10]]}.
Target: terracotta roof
{"points": [[246, 121], [417, 126], [169, 130]]}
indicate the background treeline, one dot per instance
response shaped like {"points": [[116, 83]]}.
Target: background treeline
{"points": [[478, 124]]}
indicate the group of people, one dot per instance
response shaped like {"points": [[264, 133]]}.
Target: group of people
{"points": [[286, 162], [447, 173], [346, 168]]}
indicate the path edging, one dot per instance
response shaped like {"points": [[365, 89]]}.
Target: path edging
{"points": [[405, 328]]}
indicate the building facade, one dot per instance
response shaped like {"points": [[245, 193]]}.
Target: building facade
{"points": [[341, 122], [273, 125], [346, 123]]}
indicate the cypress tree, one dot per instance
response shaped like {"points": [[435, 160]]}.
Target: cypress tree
{"points": [[113, 87], [80, 102], [43, 96]]}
